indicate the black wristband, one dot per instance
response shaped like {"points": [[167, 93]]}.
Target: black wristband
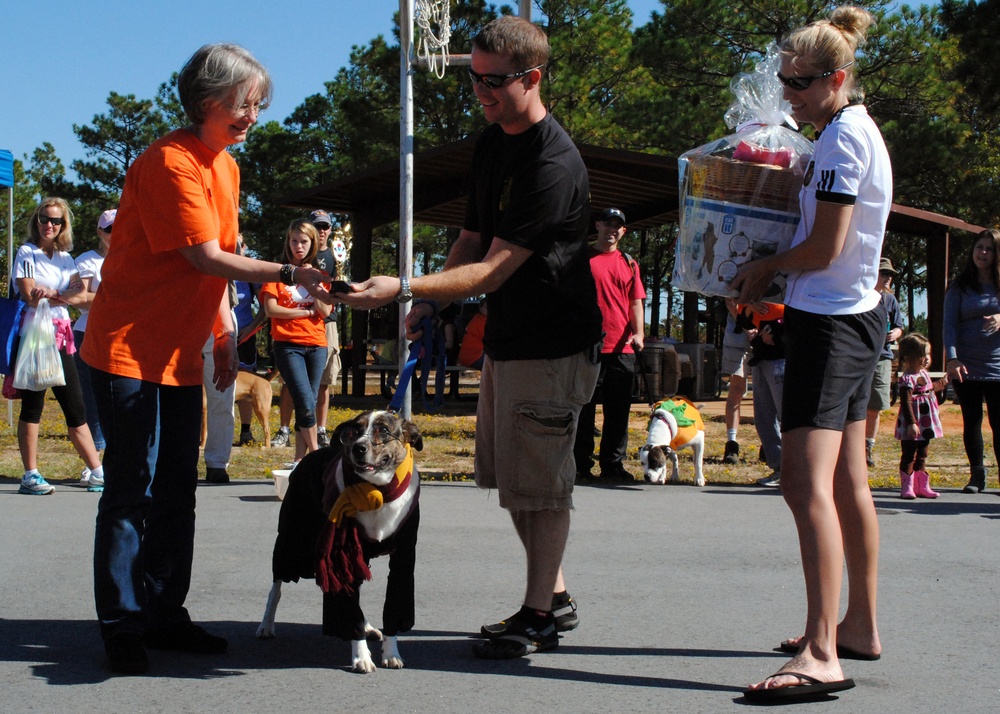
{"points": [[287, 274]]}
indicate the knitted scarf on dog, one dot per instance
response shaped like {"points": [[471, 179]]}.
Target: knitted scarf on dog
{"points": [[341, 565]]}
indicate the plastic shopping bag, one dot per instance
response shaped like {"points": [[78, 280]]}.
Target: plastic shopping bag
{"points": [[38, 363]]}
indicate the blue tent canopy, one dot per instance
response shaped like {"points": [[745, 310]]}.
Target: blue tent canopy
{"points": [[6, 168]]}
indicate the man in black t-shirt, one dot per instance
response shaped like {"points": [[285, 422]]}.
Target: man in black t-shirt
{"points": [[524, 244]]}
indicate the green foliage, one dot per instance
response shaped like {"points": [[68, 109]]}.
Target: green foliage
{"points": [[929, 74]]}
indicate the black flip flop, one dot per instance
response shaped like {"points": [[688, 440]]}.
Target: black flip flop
{"points": [[814, 689], [843, 652]]}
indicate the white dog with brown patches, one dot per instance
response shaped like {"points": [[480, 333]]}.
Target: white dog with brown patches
{"points": [[349, 503], [676, 424]]}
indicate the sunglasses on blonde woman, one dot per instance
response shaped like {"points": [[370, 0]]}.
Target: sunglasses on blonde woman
{"points": [[800, 84], [42, 220]]}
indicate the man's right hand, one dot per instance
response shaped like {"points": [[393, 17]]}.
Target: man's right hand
{"points": [[377, 291]]}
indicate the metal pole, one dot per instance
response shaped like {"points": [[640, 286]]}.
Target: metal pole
{"points": [[10, 268], [405, 177]]}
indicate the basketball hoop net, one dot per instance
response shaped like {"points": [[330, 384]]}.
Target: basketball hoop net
{"points": [[432, 47]]}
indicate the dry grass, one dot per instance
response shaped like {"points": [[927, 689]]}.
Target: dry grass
{"points": [[449, 445]]}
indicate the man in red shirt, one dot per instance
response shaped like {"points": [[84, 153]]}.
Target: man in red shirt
{"points": [[619, 295]]}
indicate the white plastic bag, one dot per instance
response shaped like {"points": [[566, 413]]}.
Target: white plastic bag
{"points": [[38, 363], [739, 194]]}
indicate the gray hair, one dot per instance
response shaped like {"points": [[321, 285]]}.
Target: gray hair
{"points": [[214, 71]]}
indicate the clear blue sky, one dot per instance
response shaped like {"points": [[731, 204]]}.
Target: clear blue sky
{"points": [[60, 63]]}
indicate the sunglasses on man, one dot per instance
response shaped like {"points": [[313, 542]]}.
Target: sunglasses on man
{"points": [[495, 81], [800, 84]]}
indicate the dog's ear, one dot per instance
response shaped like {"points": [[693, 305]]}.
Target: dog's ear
{"points": [[412, 435]]}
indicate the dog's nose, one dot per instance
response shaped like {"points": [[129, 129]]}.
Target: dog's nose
{"points": [[360, 448]]}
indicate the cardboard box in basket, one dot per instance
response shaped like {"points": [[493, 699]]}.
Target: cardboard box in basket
{"points": [[739, 195]]}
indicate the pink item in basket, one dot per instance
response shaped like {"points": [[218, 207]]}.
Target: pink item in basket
{"points": [[759, 155]]}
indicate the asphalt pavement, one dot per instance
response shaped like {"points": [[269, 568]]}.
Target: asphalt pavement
{"points": [[683, 593]]}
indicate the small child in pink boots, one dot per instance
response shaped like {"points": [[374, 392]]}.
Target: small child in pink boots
{"points": [[918, 420]]}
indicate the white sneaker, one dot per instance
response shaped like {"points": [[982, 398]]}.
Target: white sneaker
{"points": [[35, 485], [90, 481]]}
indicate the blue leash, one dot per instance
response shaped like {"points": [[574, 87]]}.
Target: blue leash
{"points": [[425, 345]]}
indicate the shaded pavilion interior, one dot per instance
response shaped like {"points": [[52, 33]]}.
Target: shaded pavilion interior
{"points": [[644, 186]]}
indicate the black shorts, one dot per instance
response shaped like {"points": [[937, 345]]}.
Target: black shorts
{"points": [[829, 364]]}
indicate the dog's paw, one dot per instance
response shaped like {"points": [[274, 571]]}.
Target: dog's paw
{"points": [[361, 657], [390, 653], [700, 482], [363, 666], [265, 631]]}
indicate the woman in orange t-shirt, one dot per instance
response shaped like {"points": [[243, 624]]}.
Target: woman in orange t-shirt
{"points": [[299, 334], [163, 293]]}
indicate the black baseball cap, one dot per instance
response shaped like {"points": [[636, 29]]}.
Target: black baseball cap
{"points": [[612, 214]]}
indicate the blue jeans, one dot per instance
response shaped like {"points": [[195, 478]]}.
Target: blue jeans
{"points": [[301, 366], [145, 519], [89, 403]]}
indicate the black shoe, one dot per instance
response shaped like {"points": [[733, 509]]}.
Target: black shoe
{"points": [[869, 459], [246, 439], [616, 473], [732, 455], [977, 482], [519, 638], [126, 653], [216, 476], [186, 637], [563, 610]]}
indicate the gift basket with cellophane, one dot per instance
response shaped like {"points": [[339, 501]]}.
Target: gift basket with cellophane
{"points": [[739, 195]]}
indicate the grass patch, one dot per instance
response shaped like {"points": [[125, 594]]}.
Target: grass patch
{"points": [[449, 447]]}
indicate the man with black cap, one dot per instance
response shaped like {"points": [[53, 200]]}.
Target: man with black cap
{"points": [[620, 296], [324, 261], [881, 397]]}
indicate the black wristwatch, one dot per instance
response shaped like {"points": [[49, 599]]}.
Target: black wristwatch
{"points": [[405, 294]]}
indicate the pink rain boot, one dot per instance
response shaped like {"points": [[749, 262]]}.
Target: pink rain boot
{"points": [[921, 485], [906, 481]]}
